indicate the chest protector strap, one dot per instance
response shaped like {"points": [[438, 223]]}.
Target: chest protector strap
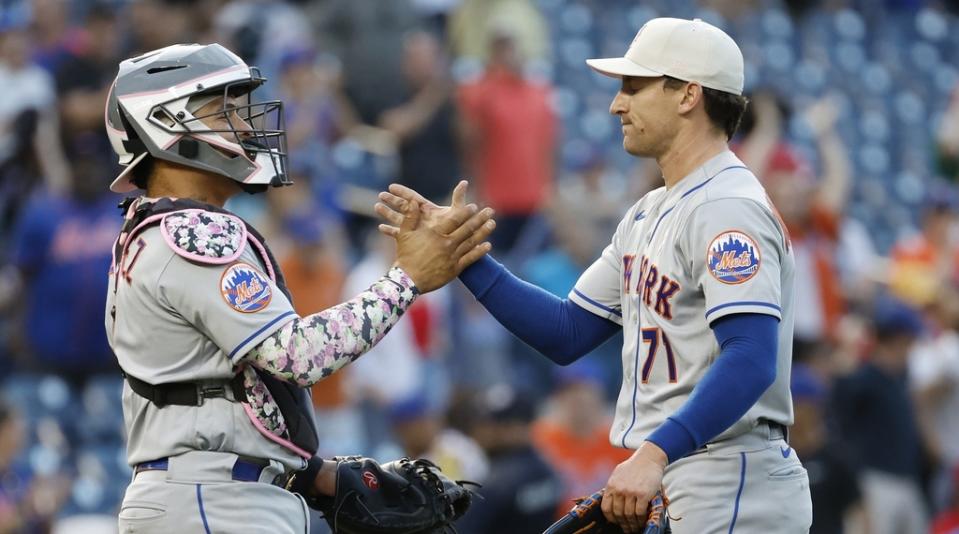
{"points": [[186, 393], [295, 403]]}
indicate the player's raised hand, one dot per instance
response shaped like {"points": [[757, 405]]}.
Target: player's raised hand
{"points": [[432, 258], [442, 219], [632, 485]]}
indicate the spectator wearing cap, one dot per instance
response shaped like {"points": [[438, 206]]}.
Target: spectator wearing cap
{"points": [[573, 434], [420, 430], [307, 89], [315, 274], [830, 252], [521, 492], [836, 495], [877, 420]]}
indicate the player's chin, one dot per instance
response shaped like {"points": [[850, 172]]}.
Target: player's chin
{"points": [[633, 148]]}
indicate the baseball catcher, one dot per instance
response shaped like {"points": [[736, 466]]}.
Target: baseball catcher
{"points": [[217, 361]]}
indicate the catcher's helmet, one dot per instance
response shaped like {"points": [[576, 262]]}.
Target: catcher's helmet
{"points": [[151, 108]]}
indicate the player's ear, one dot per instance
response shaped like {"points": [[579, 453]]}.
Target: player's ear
{"points": [[692, 95]]}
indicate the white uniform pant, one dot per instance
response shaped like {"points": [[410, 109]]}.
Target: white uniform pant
{"points": [[894, 504], [197, 495], [751, 484]]}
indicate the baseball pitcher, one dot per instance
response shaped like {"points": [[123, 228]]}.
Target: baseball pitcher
{"points": [[699, 277]]}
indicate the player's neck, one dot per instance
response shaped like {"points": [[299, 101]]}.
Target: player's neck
{"points": [[180, 182], [689, 151]]}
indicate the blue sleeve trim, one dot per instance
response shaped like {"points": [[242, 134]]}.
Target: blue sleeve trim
{"points": [[598, 305], [744, 369], [743, 303], [739, 492], [260, 331], [558, 328], [481, 276]]}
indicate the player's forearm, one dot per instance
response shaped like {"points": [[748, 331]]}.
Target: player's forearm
{"points": [[557, 328], [744, 370], [309, 349]]}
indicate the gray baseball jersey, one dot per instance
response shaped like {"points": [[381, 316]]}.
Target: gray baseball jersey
{"points": [[171, 317], [710, 246]]}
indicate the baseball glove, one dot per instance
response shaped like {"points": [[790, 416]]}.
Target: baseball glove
{"points": [[400, 497], [587, 518]]}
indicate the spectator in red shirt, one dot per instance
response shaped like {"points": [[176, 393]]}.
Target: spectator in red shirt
{"points": [[509, 135]]}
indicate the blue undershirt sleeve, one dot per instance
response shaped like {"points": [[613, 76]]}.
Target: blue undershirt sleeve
{"points": [[744, 369], [557, 328]]}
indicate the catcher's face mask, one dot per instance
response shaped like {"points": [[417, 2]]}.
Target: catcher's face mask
{"points": [[154, 108], [251, 129]]}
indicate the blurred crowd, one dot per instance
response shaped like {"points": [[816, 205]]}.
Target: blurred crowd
{"points": [[853, 128]]}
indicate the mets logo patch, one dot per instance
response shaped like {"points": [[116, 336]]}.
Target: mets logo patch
{"points": [[245, 289], [733, 257]]}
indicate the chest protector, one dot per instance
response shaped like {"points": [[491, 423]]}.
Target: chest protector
{"points": [[294, 403]]}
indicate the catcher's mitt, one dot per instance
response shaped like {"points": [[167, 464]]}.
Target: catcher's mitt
{"points": [[400, 497], [587, 518]]}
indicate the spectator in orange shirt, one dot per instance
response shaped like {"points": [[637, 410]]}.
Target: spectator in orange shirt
{"points": [[573, 435], [923, 263], [509, 135], [315, 274]]}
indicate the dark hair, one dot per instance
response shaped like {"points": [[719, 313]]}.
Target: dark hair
{"points": [[140, 175], [725, 110]]}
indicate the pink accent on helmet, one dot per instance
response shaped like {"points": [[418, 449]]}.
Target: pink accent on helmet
{"points": [[234, 148], [188, 82]]}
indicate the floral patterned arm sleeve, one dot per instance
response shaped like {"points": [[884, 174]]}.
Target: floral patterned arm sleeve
{"points": [[309, 349]]}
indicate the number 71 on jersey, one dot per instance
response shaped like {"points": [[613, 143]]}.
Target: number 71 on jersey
{"points": [[652, 337]]}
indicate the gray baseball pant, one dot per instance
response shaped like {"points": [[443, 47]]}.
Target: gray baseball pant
{"points": [[750, 484], [197, 495]]}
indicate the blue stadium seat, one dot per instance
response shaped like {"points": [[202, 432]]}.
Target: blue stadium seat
{"points": [[849, 25], [576, 19], [102, 419]]}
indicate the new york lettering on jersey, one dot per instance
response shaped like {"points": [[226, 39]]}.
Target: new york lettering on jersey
{"points": [[681, 259]]}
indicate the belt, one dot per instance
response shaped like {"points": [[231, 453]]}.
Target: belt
{"points": [[244, 470], [773, 431]]}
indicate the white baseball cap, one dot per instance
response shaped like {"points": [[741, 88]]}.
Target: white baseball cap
{"points": [[689, 50]]}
